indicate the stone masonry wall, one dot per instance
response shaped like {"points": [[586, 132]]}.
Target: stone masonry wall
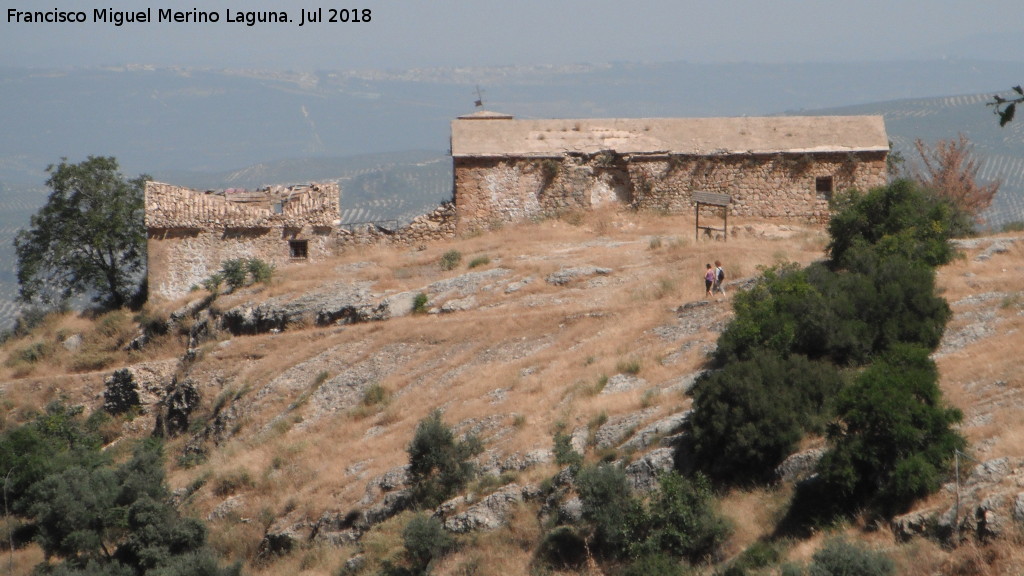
{"points": [[182, 258], [191, 233], [489, 191]]}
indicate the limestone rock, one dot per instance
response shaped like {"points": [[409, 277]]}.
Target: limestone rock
{"points": [[623, 383], [615, 431], [644, 473], [799, 466], [567, 275], [489, 514], [664, 427]]}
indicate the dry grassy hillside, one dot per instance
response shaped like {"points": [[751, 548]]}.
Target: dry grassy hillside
{"points": [[581, 321]]}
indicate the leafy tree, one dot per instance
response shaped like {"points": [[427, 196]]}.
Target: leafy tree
{"points": [[439, 464], [610, 510], [88, 238], [844, 315], [899, 219], [764, 315], [750, 415], [894, 438], [95, 517], [951, 170], [425, 541], [121, 394], [681, 520], [894, 300], [75, 514], [235, 272], [56, 439]]}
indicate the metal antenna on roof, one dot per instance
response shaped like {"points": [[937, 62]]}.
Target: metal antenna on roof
{"points": [[479, 102]]}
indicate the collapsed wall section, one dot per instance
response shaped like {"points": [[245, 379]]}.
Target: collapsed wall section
{"points": [[192, 233]]}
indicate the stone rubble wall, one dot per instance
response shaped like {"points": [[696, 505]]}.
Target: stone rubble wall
{"points": [[436, 226], [491, 191]]}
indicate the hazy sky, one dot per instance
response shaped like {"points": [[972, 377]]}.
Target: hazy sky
{"points": [[428, 33]]}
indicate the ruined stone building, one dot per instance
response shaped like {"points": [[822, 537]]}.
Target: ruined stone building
{"points": [[785, 167], [192, 233], [508, 170]]}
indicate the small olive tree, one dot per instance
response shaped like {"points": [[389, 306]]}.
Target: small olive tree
{"points": [[439, 464]]}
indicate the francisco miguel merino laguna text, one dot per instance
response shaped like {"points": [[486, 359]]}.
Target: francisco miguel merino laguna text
{"points": [[122, 17]]}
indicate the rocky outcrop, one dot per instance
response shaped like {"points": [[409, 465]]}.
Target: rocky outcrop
{"points": [[490, 513], [799, 466], [985, 506], [644, 474], [175, 410], [651, 433], [616, 430], [343, 304], [567, 275]]}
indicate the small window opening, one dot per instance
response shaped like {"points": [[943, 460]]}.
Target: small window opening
{"points": [[823, 185], [278, 207], [298, 249]]}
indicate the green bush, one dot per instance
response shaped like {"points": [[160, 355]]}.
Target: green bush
{"points": [[899, 219], [750, 415], [419, 303], [121, 394], [450, 259], [758, 555], [681, 519], [565, 455], [233, 481], [846, 316], [374, 395], [563, 548], [235, 272], [894, 438], [631, 367], [31, 354], [213, 283], [610, 510], [439, 464], [260, 271], [425, 541], [765, 315], [678, 520], [479, 261], [55, 439], [840, 557]]}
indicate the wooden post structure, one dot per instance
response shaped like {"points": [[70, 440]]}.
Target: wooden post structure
{"points": [[712, 199]]}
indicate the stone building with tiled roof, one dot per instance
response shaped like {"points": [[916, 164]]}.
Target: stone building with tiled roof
{"points": [[192, 233], [784, 167]]}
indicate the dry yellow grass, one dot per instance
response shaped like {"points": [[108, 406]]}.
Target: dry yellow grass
{"points": [[522, 361]]}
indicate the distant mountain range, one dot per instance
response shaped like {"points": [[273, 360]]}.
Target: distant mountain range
{"points": [[384, 134]]}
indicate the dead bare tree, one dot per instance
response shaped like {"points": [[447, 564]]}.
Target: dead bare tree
{"points": [[950, 168]]}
